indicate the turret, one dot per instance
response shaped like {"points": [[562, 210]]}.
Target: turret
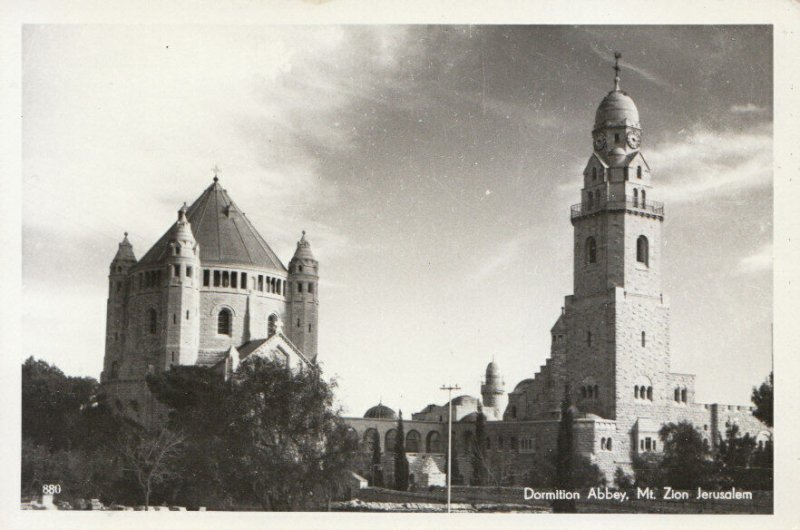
{"points": [[492, 391], [116, 306], [304, 299], [183, 294]]}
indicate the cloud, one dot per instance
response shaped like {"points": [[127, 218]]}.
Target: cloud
{"points": [[505, 255], [759, 261], [705, 163], [607, 55], [749, 108]]}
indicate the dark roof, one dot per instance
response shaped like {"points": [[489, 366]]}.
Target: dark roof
{"points": [[249, 347], [381, 412], [226, 236]]}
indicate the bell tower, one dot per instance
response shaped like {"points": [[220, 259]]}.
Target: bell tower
{"points": [[617, 318], [304, 299]]}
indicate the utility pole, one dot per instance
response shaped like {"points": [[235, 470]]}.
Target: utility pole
{"points": [[449, 436]]}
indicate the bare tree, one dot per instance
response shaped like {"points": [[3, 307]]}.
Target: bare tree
{"points": [[148, 456]]}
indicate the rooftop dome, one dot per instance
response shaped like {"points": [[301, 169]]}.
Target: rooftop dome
{"points": [[380, 412], [492, 370], [617, 108], [463, 400]]}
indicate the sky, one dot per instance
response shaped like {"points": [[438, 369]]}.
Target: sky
{"points": [[432, 167]]}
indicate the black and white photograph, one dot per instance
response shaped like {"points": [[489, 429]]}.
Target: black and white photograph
{"points": [[379, 269]]}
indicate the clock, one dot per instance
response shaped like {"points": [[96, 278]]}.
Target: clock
{"points": [[600, 142], [633, 139]]}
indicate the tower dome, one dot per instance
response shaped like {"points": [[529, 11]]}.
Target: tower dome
{"points": [[616, 110], [492, 370]]}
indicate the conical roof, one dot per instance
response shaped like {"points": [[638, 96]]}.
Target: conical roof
{"points": [[303, 251], [125, 251], [225, 235]]}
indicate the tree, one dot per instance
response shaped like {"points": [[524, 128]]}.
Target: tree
{"points": [[285, 447], [478, 450], [565, 455], [400, 459], [376, 474], [149, 456], [684, 464], [622, 480], [52, 403], [762, 399]]}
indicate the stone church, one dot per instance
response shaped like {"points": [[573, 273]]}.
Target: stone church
{"points": [[610, 346], [209, 292]]}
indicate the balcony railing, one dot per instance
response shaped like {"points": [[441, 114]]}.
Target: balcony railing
{"points": [[647, 207]]}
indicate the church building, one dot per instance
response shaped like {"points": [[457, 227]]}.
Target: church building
{"points": [[209, 292], [610, 349]]}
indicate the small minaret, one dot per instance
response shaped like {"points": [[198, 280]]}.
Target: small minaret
{"points": [[303, 299], [183, 294], [492, 391], [118, 286]]}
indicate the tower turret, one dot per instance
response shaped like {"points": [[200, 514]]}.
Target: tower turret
{"points": [[116, 306], [182, 294], [304, 299], [492, 391]]}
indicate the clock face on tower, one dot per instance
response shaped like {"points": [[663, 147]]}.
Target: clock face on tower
{"points": [[599, 142], [634, 140]]}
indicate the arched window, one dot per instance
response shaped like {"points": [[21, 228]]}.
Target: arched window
{"points": [[683, 395], [433, 444], [636, 391], [650, 393], [635, 197], [608, 444], [642, 250], [677, 396], [588, 338], [591, 250], [596, 391], [272, 325], [391, 439], [224, 322], [152, 321], [644, 339], [602, 443], [412, 441], [644, 198], [114, 370], [594, 173], [591, 200], [638, 171], [583, 392]]}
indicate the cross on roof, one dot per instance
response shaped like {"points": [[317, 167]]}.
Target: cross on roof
{"points": [[216, 171], [617, 57]]}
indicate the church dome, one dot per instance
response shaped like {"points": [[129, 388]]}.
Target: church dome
{"points": [[380, 412], [616, 109]]}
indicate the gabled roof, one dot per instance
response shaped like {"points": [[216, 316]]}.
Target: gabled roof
{"points": [[226, 236]]}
